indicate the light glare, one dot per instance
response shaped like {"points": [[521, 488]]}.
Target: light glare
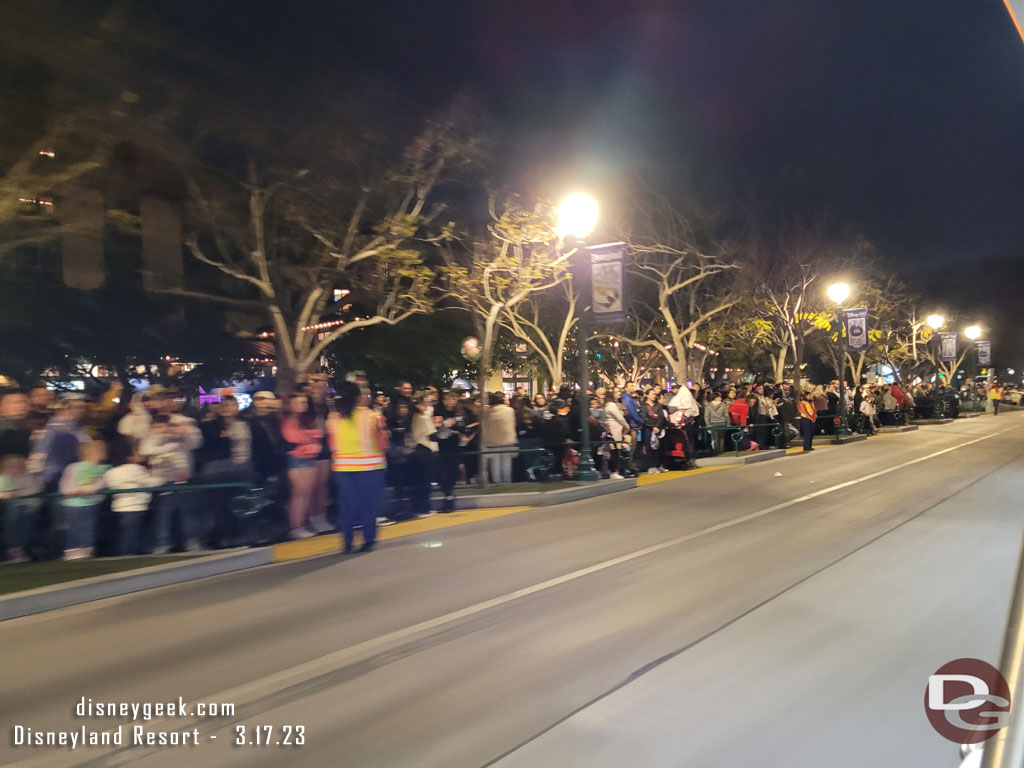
{"points": [[838, 292], [577, 216]]}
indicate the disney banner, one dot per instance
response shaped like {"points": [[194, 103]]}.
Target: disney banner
{"points": [[856, 320], [608, 282], [947, 347], [984, 352]]}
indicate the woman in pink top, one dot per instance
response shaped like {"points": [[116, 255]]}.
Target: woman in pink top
{"points": [[300, 429]]}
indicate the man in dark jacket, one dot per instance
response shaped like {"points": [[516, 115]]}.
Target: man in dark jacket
{"points": [[787, 410]]}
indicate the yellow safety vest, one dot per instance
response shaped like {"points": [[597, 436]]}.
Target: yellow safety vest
{"points": [[357, 443]]}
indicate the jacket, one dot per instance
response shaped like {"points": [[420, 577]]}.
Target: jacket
{"points": [[501, 426], [170, 453], [616, 422], [424, 433], [632, 410], [738, 412]]}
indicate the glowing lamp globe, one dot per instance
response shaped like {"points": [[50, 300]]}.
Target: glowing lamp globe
{"points": [[577, 216], [972, 332], [935, 321], [471, 349], [838, 292]]}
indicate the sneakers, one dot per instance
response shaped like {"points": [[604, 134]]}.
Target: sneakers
{"points": [[194, 546], [615, 476], [385, 521], [300, 533], [653, 471], [319, 524], [79, 553], [422, 515]]}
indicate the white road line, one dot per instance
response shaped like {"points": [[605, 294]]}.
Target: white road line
{"points": [[339, 659]]}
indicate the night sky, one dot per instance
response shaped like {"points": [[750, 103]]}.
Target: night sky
{"points": [[904, 118]]}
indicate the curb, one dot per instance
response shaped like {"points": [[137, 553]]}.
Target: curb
{"points": [[753, 458], [902, 428], [113, 585], [933, 422], [545, 498], [831, 439]]}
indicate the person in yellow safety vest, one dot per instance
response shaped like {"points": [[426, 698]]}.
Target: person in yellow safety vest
{"points": [[359, 441], [808, 419], [995, 394]]}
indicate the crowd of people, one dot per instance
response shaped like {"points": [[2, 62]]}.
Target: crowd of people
{"points": [[156, 473]]}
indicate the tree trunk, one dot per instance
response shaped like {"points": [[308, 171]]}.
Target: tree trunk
{"points": [[484, 370], [286, 377], [779, 363], [695, 365]]}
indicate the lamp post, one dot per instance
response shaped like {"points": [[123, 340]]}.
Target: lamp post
{"points": [[838, 293], [577, 216], [973, 332], [935, 322]]}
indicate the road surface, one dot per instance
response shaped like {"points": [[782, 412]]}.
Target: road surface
{"points": [[732, 618]]}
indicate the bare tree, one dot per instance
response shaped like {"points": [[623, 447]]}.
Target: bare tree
{"points": [[544, 321], [796, 266], [492, 277], [290, 239], [686, 267]]}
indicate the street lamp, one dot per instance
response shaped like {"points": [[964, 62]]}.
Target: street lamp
{"points": [[972, 332], [838, 293], [935, 322], [577, 217]]}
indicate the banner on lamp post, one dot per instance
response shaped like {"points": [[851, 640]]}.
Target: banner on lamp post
{"points": [[947, 347], [608, 282], [856, 321], [984, 352]]}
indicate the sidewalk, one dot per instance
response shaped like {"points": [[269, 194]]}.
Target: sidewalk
{"points": [[121, 576]]}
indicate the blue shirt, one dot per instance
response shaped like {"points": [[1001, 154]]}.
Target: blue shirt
{"points": [[59, 444]]}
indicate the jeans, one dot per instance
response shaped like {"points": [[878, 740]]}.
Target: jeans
{"points": [[448, 463], [130, 537], [807, 429], [499, 465], [80, 525], [421, 470], [168, 508], [359, 498], [995, 407], [19, 519]]}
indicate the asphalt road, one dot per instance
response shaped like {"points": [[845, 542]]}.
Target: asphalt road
{"points": [[728, 619]]}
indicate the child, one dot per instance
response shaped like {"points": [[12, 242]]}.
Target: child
{"points": [[167, 447], [18, 516], [85, 476], [130, 508]]}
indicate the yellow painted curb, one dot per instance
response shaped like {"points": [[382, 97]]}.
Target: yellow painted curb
{"points": [[678, 475], [320, 545]]}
